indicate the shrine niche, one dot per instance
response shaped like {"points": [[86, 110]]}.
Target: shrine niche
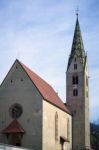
{"points": [[14, 133]]}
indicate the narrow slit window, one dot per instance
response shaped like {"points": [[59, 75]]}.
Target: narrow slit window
{"points": [[86, 81], [11, 81], [87, 93], [68, 129], [56, 126]]}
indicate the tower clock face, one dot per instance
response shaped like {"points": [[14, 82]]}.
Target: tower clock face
{"points": [[15, 111]]}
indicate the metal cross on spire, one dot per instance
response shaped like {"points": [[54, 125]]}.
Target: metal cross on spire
{"points": [[77, 12]]}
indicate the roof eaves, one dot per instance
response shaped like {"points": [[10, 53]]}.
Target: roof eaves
{"points": [[59, 107]]}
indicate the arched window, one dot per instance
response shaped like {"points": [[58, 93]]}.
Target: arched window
{"points": [[75, 92], [75, 79], [87, 93], [75, 66], [68, 129], [56, 126], [86, 81]]}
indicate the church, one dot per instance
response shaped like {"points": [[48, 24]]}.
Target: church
{"points": [[33, 116]]}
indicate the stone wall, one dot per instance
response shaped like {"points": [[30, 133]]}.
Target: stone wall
{"points": [[79, 105], [18, 88]]}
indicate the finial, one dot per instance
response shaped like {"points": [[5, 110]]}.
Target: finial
{"points": [[77, 12]]}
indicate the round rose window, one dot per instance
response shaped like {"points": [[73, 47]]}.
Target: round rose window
{"points": [[15, 111]]}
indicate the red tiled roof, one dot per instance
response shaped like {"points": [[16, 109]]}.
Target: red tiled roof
{"points": [[45, 89], [14, 127]]}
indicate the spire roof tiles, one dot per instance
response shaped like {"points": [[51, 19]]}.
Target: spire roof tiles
{"points": [[77, 49]]}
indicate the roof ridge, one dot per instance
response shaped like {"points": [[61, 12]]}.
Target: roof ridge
{"points": [[34, 73]]}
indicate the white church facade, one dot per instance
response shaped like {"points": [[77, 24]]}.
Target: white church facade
{"points": [[33, 116]]}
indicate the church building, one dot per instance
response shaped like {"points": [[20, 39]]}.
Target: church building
{"points": [[33, 116]]}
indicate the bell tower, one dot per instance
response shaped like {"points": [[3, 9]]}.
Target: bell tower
{"points": [[78, 91]]}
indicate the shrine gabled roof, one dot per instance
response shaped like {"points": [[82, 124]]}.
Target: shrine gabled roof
{"points": [[14, 127], [45, 89]]}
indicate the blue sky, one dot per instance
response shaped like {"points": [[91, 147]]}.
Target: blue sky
{"points": [[39, 33]]}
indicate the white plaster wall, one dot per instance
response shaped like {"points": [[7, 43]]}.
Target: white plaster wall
{"points": [[49, 142]]}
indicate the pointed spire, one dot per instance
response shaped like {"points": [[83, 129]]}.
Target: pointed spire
{"points": [[77, 49]]}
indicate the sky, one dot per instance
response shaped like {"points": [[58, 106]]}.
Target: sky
{"points": [[40, 32]]}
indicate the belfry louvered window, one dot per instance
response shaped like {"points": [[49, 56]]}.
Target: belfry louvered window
{"points": [[75, 66], [75, 92], [75, 79]]}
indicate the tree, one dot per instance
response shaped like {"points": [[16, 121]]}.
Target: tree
{"points": [[94, 135]]}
